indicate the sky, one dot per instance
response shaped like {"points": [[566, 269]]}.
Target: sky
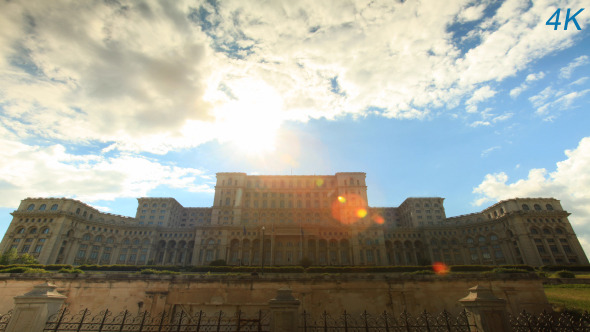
{"points": [[473, 101]]}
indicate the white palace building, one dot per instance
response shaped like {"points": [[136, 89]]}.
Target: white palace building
{"points": [[326, 219]]}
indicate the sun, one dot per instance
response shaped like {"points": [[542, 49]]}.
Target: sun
{"points": [[251, 121]]}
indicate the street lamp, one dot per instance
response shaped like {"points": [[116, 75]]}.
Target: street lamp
{"points": [[262, 249]]}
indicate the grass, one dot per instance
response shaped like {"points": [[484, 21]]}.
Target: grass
{"points": [[569, 297]]}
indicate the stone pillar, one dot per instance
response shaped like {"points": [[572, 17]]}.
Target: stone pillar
{"points": [[284, 311], [32, 309], [486, 311]]}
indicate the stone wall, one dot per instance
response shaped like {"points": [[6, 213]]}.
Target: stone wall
{"points": [[333, 293]]}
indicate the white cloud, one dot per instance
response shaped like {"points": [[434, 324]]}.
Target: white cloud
{"points": [[486, 152], [35, 171], [549, 102], [471, 13], [579, 81], [566, 72], [480, 123], [570, 183], [502, 117], [158, 76], [535, 76], [478, 96], [530, 78]]}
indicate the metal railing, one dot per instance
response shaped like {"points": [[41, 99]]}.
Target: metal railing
{"points": [[179, 321], [4, 319], [550, 321], [386, 322]]}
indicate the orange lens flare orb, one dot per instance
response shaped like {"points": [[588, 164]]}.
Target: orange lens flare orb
{"points": [[378, 219], [341, 199], [361, 213], [440, 268], [319, 182]]}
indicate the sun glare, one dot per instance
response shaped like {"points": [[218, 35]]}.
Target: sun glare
{"points": [[252, 119]]}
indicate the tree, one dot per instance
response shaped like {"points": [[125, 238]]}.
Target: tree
{"points": [[26, 259], [8, 257], [305, 262], [12, 257]]}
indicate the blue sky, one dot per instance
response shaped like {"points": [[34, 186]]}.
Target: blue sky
{"points": [[474, 101]]}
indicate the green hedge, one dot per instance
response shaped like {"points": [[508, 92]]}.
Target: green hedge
{"points": [[472, 268], [577, 268], [23, 269]]}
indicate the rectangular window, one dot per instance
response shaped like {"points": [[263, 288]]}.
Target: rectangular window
{"points": [[38, 248], [81, 253]]}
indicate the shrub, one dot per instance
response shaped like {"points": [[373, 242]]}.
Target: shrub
{"points": [[564, 274], [219, 262], [508, 270], [419, 272], [30, 270], [305, 262], [553, 268], [56, 267], [471, 268], [152, 271], [17, 269], [70, 270]]}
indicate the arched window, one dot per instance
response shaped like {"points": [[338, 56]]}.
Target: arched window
{"points": [[126, 241], [558, 231], [227, 201], [98, 238], [493, 237], [45, 230], [469, 240], [20, 230], [42, 207], [54, 207], [549, 207], [481, 239], [33, 231], [525, 207], [136, 242], [84, 214], [86, 237], [31, 207], [110, 240], [501, 211], [546, 231], [534, 231], [78, 211], [537, 207]]}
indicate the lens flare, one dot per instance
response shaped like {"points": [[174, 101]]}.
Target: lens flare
{"points": [[378, 219], [341, 199], [440, 268], [361, 213], [319, 182]]}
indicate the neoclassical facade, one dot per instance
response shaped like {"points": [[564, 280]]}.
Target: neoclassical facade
{"points": [[282, 219]]}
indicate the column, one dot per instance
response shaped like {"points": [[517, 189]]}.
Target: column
{"points": [[284, 309], [486, 311], [32, 309]]}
